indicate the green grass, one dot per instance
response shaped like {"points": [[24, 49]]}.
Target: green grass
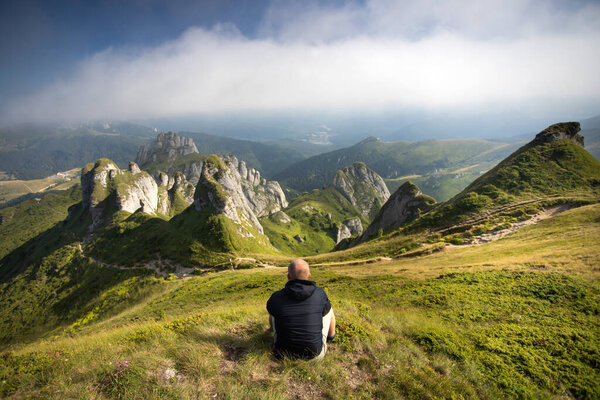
{"points": [[516, 318], [29, 218], [445, 184], [191, 238], [12, 191], [535, 172], [309, 214]]}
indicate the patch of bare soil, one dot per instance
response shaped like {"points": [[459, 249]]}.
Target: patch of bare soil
{"points": [[547, 213], [303, 390], [355, 376]]}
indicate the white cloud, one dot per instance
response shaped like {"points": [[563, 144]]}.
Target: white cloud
{"points": [[443, 56]]}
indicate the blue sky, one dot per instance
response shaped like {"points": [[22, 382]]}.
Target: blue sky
{"points": [[136, 60]]}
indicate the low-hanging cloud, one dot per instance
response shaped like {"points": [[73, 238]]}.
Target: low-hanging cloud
{"points": [[290, 65]]}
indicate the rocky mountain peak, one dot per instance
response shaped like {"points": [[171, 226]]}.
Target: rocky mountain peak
{"points": [[232, 189], [167, 145], [105, 186], [560, 131], [404, 205], [220, 190], [363, 187]]}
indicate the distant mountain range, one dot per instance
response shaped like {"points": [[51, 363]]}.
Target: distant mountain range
{"points": [[37, 151]]}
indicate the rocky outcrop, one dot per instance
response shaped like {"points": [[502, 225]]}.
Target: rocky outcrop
{"points": [[362, 187], [560, 131], [265, 197], [348, 228], [282, 217], [168, 146], [403, 206], [220, 190], [163, 156], [105, 186], [232, 189]]}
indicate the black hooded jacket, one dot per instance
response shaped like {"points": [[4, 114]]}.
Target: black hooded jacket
{"points": [[298, 310]]}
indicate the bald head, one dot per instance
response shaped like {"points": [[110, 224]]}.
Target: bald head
{"points": [[298, 269]]}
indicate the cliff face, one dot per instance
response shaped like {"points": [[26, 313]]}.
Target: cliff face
{"points": [[264, 197], [165, 152], [403, 206], [220, 190], [169, 145], [362, 187], [229, 188], [106, 187], [348, 228]]}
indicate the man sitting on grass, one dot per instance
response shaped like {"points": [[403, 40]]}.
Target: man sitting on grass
{"points": [[301, 316]]}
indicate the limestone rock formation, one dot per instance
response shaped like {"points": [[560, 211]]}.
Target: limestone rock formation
{"points": [[105, 186], [362, 187], [231, 189], [562, 130], [348, 228], [265, 197], [169, 145], [220, 189], [163, 156], [403, 206]]}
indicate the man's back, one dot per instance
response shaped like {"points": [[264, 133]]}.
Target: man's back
{"points": [[298, 312]]}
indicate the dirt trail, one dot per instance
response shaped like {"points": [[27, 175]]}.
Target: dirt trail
{"points": [[547, 213], [258, 263], [162, 267]]}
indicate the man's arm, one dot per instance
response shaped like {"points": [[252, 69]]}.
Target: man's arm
{"points": [[331, 333], [271, 321]]}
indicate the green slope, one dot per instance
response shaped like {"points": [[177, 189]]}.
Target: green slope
{"points": [[314, 217], [537, 176], [392, 160], [29, 218], [475, 322]]}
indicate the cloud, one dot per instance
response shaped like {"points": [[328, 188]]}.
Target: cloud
{"points": [[404, 55]]}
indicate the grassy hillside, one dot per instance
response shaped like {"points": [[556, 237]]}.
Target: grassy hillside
{"points": [[314, 217], [535, 176], [516, 318], [393, 159], [29, 218], [14, 191], [34, 152], [444, 184]]}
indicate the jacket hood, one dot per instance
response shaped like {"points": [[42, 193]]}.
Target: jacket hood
{"points": [[299, 289]]}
